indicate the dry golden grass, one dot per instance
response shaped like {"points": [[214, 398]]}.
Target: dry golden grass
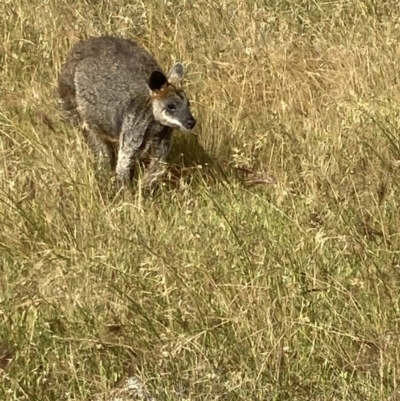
{"points": [[275, 276]]}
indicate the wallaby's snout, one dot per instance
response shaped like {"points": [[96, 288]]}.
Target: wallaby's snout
{"points": [[184, 117], [190, 123]]}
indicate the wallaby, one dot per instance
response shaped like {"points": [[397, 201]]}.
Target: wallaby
{"points": [[126, 104]]}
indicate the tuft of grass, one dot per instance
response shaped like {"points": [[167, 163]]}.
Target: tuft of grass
{"points": [[267, 267]]}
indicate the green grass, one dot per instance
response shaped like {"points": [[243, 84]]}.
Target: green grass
{"points": [[267, 267]]}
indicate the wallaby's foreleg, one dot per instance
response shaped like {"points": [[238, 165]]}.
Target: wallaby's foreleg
{"points": [[159, 152], [102, 150], [131, 145]]}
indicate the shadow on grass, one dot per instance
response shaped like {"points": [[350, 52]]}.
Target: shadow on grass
{"points": [[189, 160]]}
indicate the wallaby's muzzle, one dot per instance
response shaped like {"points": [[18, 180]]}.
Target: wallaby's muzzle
{"points": [[190, 123]]}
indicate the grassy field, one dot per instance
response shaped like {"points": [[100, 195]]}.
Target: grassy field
{"points": [[268, 265]]}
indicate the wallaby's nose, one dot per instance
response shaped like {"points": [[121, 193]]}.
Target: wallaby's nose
{"points": [[191, 122]]}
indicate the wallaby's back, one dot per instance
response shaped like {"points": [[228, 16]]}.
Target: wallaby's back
{"points": [[108, 68]]}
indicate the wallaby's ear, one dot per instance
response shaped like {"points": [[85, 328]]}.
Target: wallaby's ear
{"points": [[157, 80], [176, 74]]}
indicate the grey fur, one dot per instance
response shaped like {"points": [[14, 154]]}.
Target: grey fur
{"points": [[127, 105]]}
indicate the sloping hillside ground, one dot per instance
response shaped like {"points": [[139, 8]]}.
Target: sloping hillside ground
{"points": [[268, 265]]}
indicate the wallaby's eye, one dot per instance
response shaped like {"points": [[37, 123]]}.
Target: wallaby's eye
{"points": [[171, 107]]}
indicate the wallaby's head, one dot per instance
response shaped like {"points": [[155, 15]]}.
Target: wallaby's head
{"points": [[170, 105]]}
